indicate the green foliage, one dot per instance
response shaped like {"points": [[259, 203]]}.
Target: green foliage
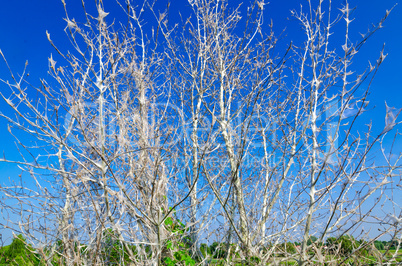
{"points": [[114, 251], [178, 250], [393, 244], [18, 253], [347, 244], [311, 240], [255, 260], [205, 250], [379, 245], [218, 250], [364, 248], [175, 226], [287, 248], [179, 245]]}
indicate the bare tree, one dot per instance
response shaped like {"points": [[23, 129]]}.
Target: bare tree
{"points": [[146, 144]]}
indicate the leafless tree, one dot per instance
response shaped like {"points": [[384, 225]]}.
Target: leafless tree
{"points": [[205, 122]]}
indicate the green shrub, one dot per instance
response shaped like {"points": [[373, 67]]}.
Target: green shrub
{"points": [[180, 245], [19, 253]]}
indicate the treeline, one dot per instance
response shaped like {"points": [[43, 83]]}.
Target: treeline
{"points": [[181, 251]]}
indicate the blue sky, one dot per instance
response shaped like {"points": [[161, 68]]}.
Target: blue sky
{"points": [[23, 26]]}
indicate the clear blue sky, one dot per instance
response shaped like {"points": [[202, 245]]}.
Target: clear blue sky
{"points": [[23, 24]]}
